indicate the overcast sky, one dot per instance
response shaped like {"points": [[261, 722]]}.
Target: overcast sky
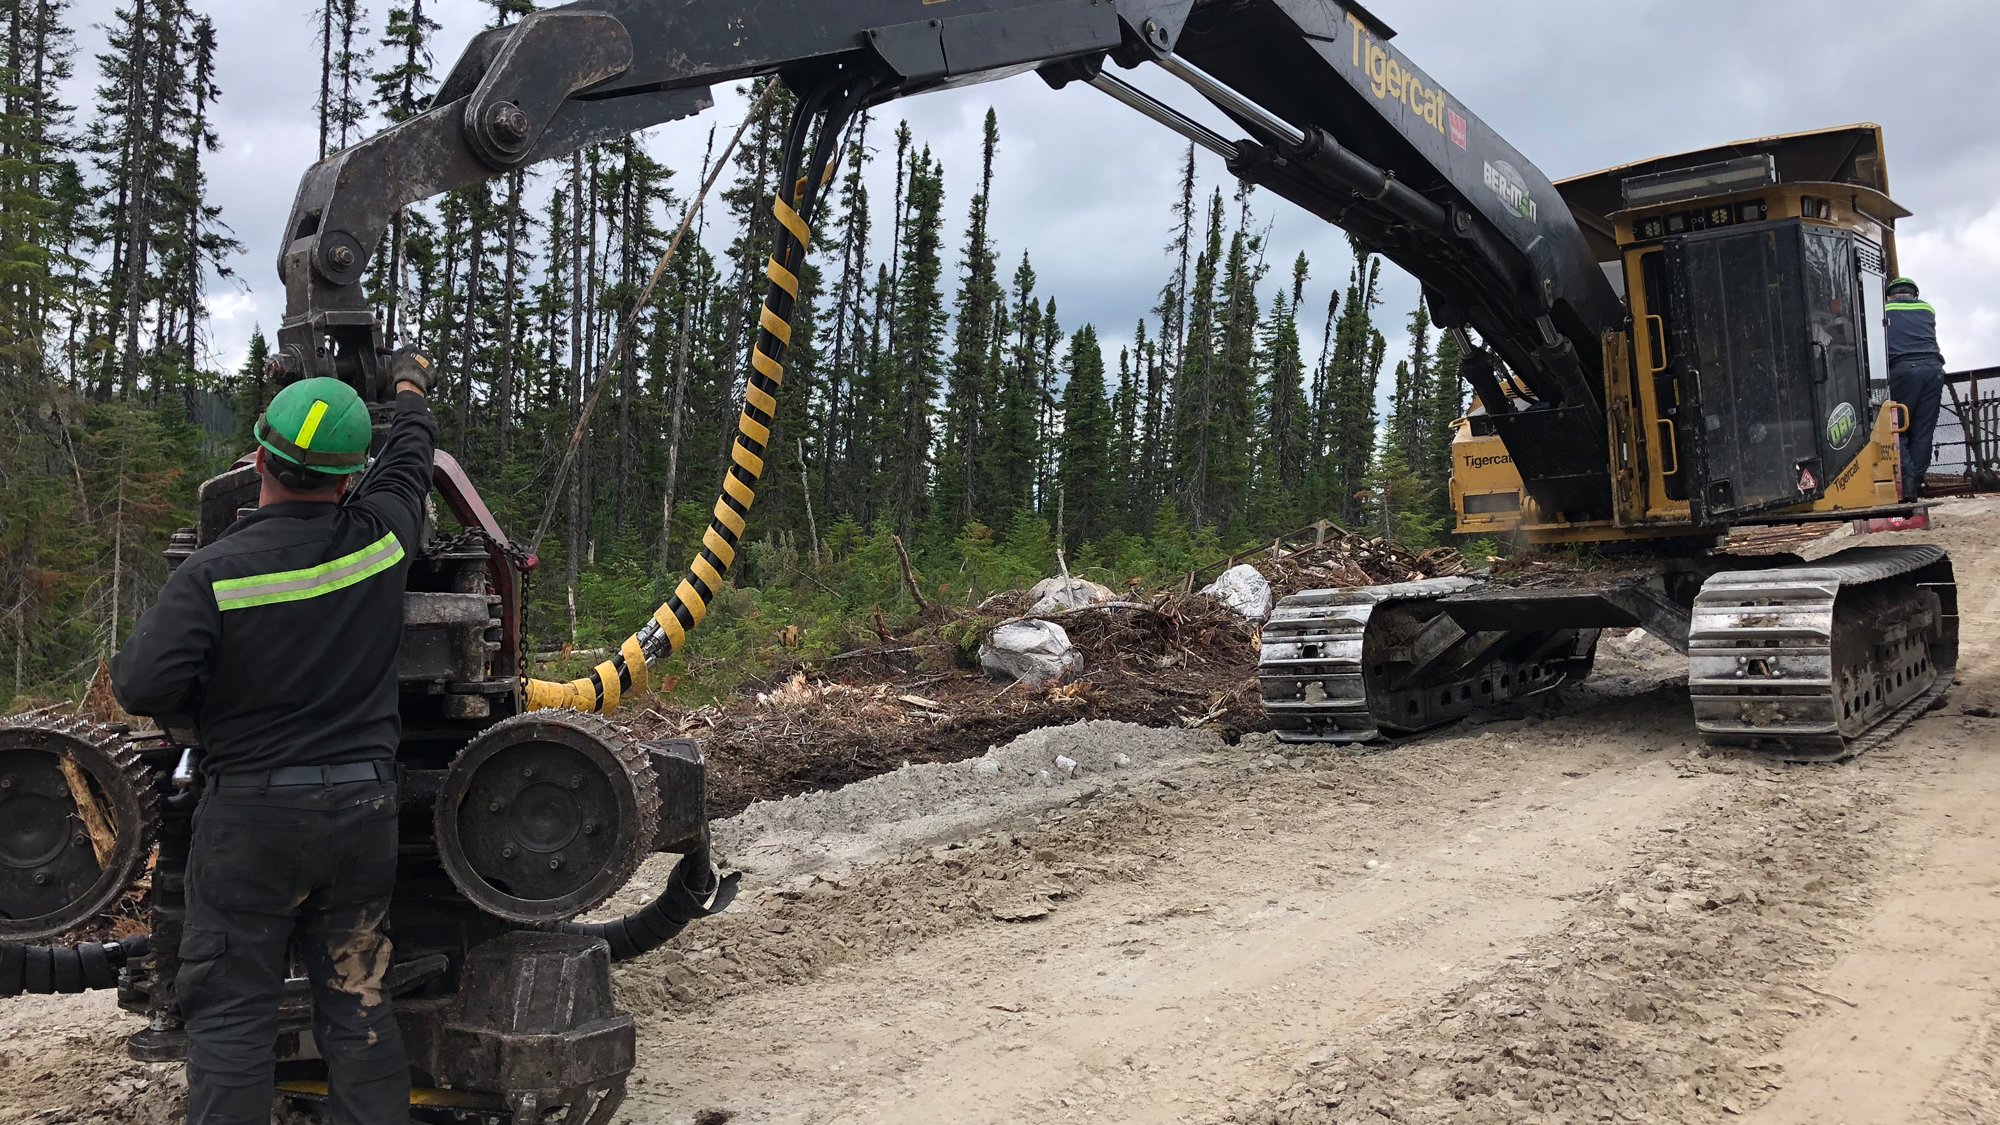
{"points": [[1084, 185]]}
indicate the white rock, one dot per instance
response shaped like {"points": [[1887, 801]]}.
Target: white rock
{"points": [[1122, 760], [1066, 764], [1244, 591], [1054, 595], [1373, 864], [1034, 652], [986, 767]]}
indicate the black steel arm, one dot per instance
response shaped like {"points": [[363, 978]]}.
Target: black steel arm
{"points": [[1337, 121]]}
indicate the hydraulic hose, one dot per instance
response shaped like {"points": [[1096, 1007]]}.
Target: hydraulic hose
{"points": [[694, 891], [40, 970], [626, 672]]}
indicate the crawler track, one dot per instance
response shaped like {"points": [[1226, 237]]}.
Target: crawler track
{"points": [[1822, 661], [1355, 665]]}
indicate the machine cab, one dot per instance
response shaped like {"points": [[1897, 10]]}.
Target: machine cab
{"points": [[1754, 273]]}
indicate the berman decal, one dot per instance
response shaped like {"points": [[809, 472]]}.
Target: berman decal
{"points": [[1507, 184]]}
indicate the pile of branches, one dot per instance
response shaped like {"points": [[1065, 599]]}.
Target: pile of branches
{"points": [[1348, 559], [1172, 661]]}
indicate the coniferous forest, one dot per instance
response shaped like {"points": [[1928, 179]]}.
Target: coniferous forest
{"points": [[954, 411]]}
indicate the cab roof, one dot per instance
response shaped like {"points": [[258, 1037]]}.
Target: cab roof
{"points": [[1843, 154]]}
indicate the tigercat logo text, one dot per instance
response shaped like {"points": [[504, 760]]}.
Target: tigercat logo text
{"points": [[1486, 461], [1391, 81]]}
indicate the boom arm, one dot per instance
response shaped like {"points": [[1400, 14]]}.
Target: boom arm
{"points": [[1336, 121]]}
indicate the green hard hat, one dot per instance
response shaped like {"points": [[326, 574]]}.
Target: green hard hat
{"points": [[319, 424], [1902, 283]]}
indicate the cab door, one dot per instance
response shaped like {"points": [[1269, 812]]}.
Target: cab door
{"points": [[1751, 372]]}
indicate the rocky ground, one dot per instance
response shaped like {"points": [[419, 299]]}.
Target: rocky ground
{"points": [[1576, 918]]}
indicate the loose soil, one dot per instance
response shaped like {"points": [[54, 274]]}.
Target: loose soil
{"points": [[1581, 917]]}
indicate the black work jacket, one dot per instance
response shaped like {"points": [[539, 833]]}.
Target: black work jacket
{"points": [[279, 640]]}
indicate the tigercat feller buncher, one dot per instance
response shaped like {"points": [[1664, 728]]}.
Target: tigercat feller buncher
{"points": [[1729, 386]]}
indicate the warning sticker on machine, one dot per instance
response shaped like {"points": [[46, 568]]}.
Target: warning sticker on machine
{"points": [[1807, 482]]}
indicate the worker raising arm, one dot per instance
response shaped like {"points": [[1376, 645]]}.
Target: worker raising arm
{"points": [[278, 644]]}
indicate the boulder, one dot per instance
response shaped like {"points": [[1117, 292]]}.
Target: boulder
{"points": [[1055, 595], [1244, 591], [1033, 652]]}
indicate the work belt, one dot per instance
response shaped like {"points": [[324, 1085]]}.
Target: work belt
{"points": [[347, 773]]}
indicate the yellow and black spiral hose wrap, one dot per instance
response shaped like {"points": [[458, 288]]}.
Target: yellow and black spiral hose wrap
{"points": [[626, 672]]}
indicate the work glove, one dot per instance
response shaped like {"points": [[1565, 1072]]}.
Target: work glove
{"points": [[409, 365]]}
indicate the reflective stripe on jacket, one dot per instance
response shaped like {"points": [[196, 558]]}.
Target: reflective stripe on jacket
{"points": [[1912, 331], [279, 640]]}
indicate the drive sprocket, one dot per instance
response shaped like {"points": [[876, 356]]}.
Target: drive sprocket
{"points": [[546, 815], [78, 814]]}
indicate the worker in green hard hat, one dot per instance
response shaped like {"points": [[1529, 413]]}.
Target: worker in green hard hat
{"points": [[1916, 376], [277, 646]]}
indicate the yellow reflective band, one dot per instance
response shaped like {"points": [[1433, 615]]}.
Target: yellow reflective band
{"points": [[741, 493], [313, 418], [766, 366], [756, 431], [691, 601], [709, 576], [607, 677], [312, 582], [761, 400], [799, 189], [635, 663], [751, 463], [719, 547], [677, 637], [583, 694], [786, 279], [727, 517], [775, 325], [791, 220]]}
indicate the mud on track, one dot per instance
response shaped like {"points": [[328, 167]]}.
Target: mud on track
{"points": [[1587, 918]]}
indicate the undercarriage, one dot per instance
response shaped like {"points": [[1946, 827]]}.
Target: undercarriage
{"points": [[1811, 661]]}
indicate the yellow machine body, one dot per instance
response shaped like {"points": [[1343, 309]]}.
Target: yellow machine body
{"points": [[1643, 409]]}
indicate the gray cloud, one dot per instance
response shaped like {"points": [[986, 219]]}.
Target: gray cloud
{"points": [[1084, 185]]}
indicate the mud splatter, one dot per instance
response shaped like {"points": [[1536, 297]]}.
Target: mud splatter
{"points": [[361, 962]]}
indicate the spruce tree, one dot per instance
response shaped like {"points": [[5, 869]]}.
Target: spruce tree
{"points": [[1284, 421], [401, 89], [971, 387], [344, 53], [1446, 407], [1353, 373], [1010, 456], [1085, 447], [1232, 428], [1125, 474], [35, 277], [1195, 395], [916, 340]]}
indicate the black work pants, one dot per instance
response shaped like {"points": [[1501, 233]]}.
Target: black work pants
{"points": [[1918, 383], [317, 861]]}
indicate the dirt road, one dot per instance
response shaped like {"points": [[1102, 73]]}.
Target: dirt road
{"points": [[1584, 918]]}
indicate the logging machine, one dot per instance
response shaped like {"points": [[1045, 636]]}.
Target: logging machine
{"points": [[1659, 353]]}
